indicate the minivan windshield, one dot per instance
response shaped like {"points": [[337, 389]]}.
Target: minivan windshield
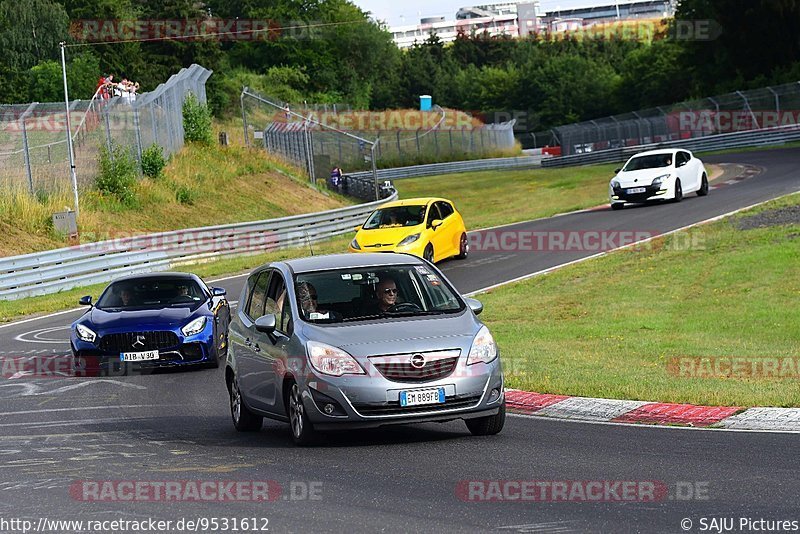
{"points": [[363, 293], [653, 161]]}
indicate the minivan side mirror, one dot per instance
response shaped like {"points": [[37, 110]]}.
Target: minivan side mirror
{"points": [[266, 323], [218, 292], [475, 305], [85, 301]]}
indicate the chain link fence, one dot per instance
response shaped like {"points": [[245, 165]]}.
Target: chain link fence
{"points": [[309, 143], [358, 141], [33, 137], [733, 112]]}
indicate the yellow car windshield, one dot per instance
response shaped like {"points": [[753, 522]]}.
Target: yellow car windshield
{"points": [[396, 217]]}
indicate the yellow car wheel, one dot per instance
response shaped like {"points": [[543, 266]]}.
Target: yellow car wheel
{"points": [[463, 248]]}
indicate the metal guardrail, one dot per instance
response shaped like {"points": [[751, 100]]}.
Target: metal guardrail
{"points": [[92, 263], [432, 169], [749, 138]]}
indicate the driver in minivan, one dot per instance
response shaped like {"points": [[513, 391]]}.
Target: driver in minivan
{"points": [[385, 297]]}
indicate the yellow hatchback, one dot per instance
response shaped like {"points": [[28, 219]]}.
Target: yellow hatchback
{"points": [[430, 228]]}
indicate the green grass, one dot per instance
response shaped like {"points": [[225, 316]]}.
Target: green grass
{"points": [[793, 144], [491, 198], [201, 186], [609, 327]]}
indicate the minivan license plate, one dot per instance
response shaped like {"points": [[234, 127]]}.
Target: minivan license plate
{"points": [[416, 397]]}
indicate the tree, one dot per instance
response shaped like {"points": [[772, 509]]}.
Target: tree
{"points": [[30, 31]]}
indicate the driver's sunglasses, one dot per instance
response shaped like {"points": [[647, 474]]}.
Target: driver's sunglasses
{"points": [[390, 291]]}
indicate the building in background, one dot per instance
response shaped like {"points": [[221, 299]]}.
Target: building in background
{"points": [[521, 19]]}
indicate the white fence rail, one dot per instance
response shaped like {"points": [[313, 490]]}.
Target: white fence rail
{"points": [[66, 268]]}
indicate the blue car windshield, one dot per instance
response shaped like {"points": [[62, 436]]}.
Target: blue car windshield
{"points": [[151, 293], [345, 295]]}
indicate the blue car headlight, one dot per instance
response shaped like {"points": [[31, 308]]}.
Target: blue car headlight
{"points": [[408, 240], [195, 327], [85, 333]]}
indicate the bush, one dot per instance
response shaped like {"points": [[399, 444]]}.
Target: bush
{"points": [[153, 161], [184, 195], [117, 174], [197, 121]]}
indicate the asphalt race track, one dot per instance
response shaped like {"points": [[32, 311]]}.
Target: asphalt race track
{"points": [[175, 426]]}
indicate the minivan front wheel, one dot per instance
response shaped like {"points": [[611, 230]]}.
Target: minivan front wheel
{"points": [[303, 432], [243, 419], [487, 426]]}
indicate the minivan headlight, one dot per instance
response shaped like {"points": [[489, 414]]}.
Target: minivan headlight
{"points": [[85, 333], [195, 327], [483, 347], [333, 361]]}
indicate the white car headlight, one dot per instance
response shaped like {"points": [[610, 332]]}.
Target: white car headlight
{"points": [[195, 327], [483, 348], [332, 361], [614, 184], [408, 240], [85, 333], [354, 244], [661, 179]]}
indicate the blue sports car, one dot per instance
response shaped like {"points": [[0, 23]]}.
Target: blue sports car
{"points": [[153, 320]]}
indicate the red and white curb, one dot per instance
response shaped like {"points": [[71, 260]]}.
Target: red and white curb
{"points": [[652, 413]]}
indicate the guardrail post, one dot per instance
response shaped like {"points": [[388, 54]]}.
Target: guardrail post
{"points": [[399, 148], [416, 134], [138, 139], [108, 133], [244, 117], [26, 152], [436, 142]]}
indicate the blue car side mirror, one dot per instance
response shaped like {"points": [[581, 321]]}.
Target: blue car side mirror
{"points": [[85, 301], [218, 292]]}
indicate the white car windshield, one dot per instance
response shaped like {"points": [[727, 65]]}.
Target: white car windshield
{"points": [[653, 161]]}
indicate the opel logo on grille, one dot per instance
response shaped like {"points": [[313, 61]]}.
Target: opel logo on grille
{"points": [[418, 361], [139, 341]]}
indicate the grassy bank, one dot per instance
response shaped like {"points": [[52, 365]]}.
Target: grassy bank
{"points": [[201, 186], [613, 327]]}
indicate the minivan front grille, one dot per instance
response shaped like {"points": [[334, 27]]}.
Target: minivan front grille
{"points": [[417, 367]]}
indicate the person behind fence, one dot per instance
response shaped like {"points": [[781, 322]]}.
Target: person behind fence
{"points": [[336, 178]]}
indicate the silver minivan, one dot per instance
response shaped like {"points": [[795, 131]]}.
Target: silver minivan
{"points": [[357, 341]]}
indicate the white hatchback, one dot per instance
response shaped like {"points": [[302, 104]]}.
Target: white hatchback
{"points": [[658, 175]]}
